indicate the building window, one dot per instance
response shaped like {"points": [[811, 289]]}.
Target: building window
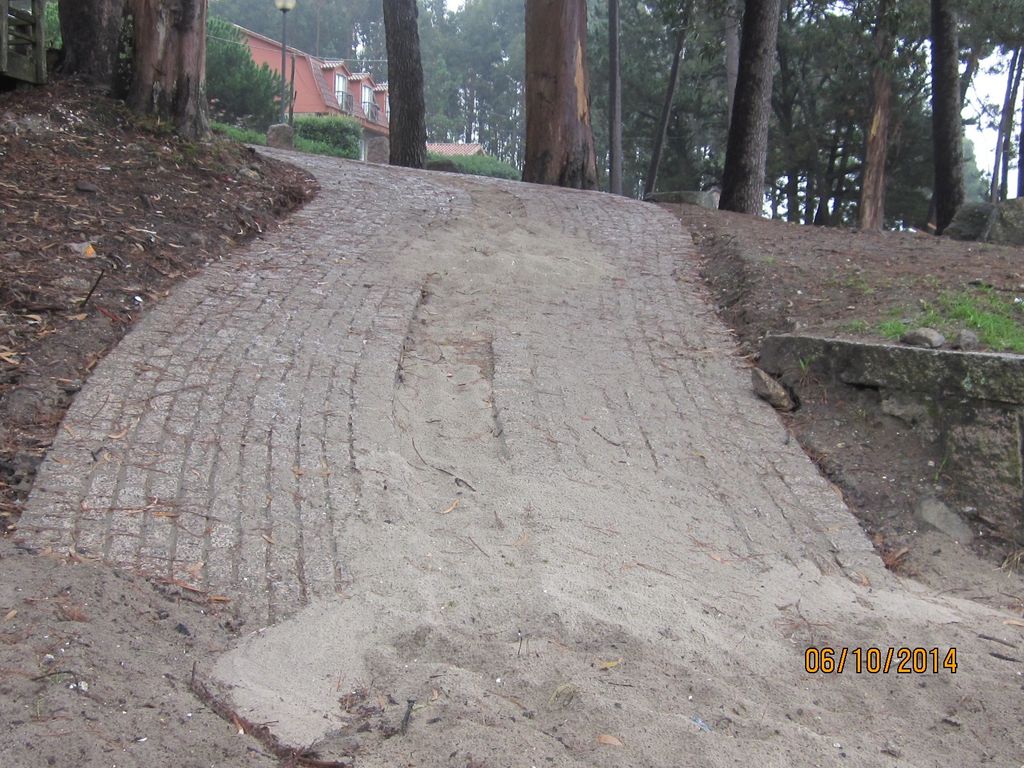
{"points": [[367, 100], [341, 89]]}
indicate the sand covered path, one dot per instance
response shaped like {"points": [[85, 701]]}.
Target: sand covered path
{"points": [[478, 476]]}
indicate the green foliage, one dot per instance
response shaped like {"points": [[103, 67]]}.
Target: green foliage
{"points": [[342, 135], [480, 165], [244, 135], [238, 90], [53, 36], [311, 147]]}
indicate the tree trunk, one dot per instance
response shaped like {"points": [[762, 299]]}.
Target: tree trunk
{"points": [[559, 141], [968, 77], [91, 30], [819, 216], [839, 195], [470, 108], [732, 55], [872, 192], [614, 102], [747, 151], [666, 112], [169, 65], [947, 128], [1020, 155], [407, 126], [793, 195], [1011, 108]]}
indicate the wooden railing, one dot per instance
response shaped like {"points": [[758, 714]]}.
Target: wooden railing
{"points": [[23, 40]]}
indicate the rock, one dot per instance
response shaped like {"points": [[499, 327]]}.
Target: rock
{"points": [[970, 221], [280, 136], [966, 340], [923, 337], [1002, 224], [938, 515], [26, 124], [86, 186], [770, 390], [906, 407], [248, 173]]}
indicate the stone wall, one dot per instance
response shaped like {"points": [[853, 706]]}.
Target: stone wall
{"points": [[970, 403]]}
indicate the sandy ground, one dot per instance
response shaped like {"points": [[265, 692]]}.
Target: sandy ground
{"points": [[551, 525]]}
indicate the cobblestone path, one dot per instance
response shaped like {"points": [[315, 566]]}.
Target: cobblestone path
{"points": [[470, 412]]}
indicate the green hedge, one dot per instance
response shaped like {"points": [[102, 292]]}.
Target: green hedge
{"points": [[477, 165], [341, 133]]}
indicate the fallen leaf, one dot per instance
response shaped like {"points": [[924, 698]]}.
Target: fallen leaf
{"points": [[119, 435], [452, 508], [609, 740], [435, 695], [268, 539], [10, 358], [219, 599], [1014, 622], [11, 614], [610, 664], [70, 612], [297, 471], [83, 249], [81, 316]]}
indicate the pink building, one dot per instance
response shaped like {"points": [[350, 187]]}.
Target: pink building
{"points": [[329, 87]]}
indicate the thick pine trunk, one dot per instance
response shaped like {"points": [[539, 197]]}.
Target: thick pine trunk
{"points": [[666, 113], [169, 65], [614, 102], [408, 127], [91, 30], [732, 55], [872, 192], [747, 151], [559, 141], [947, 128]]}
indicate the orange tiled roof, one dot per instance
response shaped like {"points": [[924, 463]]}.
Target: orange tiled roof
{"points": [[456, 150]]}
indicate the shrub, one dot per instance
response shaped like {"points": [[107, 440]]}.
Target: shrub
{"points": [[343, 134], [238, 90], [477, 165]]}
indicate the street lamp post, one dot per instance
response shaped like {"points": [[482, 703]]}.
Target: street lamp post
{"points": [[284, 6]]}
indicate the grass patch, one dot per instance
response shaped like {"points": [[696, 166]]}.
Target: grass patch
{"points": [[856, 326], [998, 319], [244, 135], [893, 329]]}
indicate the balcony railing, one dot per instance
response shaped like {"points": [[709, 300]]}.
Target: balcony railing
{"points": [[372, 112], [345, 101]]}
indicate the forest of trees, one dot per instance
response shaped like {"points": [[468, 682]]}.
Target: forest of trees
{"points": [[850, 100]]}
